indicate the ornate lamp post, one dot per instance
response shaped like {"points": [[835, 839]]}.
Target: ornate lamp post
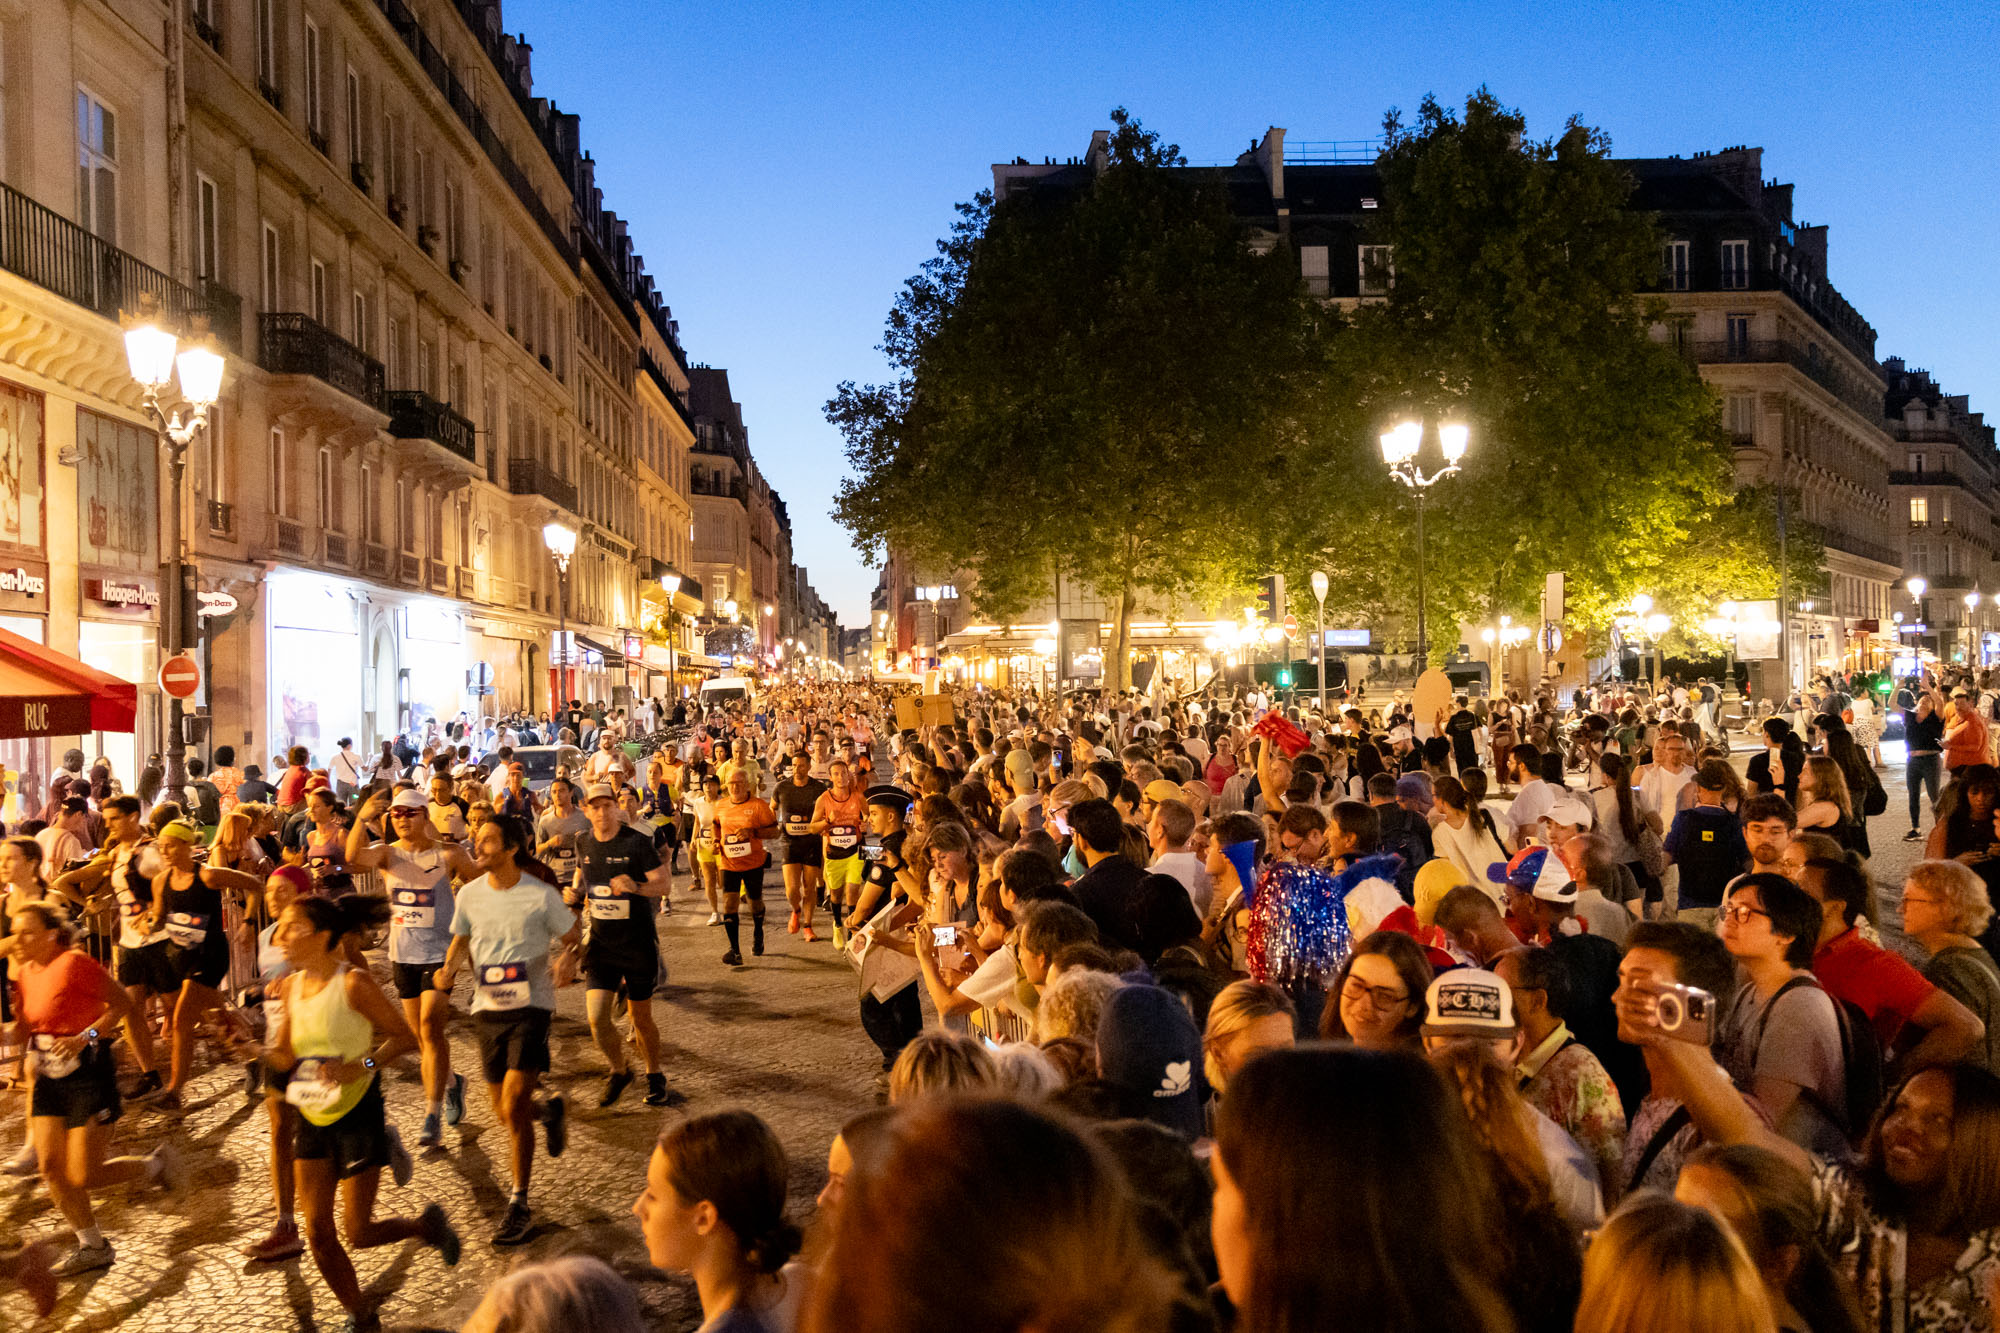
{"points": [[1399, 450], [1319, 595], [561, 542], [150, 353], [671, 584]]}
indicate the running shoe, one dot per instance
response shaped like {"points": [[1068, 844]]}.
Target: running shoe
{"points": [[1913, 836], [732, 959], [839, 938], [22, 1163], [454, 1100], [656, 1089], [757, 941], [163, 1164], [432, 1134], [715, 918], [792, 928], [555, 1124], [438, 1231], [149, 1085], [253, 1080], [84, 1259], [284, 1242], [614, 1088], [400, 1165], [808, 936], [514, 1228]]}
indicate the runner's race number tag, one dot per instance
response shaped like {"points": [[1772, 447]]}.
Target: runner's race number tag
{"points": [[797, 827], [48, 1065], [504, 985], [736, 848], [186, 929], [607, 904], [307, 1090], [842, 837], [415, 909]]}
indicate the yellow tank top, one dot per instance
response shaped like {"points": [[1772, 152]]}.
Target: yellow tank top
{"points": [[326, 1027]]}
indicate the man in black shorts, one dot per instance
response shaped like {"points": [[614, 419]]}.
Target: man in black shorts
{"points": [[619, 879], [795, 800]]}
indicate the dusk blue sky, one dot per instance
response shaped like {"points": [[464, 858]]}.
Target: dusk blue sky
{"points": [[785, 166]]}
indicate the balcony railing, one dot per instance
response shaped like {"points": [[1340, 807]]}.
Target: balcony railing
{"points": [[291, 344], [207, 32], [1784, 351], [291, 537], [1937, 477], [530, 476], [1867, 550], [414, 415], [336, 548], [376, 560], [50, 251], [222, 518], [410, 568]]}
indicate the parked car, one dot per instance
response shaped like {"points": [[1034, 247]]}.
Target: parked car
{"points": [[541, 761]]}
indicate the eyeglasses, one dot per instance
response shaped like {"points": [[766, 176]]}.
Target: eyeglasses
{"points": [[406, 814], [1909, 898], [1741, 915], [1379, 996]]}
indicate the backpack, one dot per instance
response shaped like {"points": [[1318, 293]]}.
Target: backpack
{"points": [[1861, 1059]]}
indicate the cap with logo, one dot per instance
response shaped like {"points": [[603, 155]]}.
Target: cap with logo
{"points": [[1571, 811], [1538, 870], [1469, 1002], [409, 800]]}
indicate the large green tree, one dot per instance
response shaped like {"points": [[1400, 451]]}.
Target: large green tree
{"points": [[1106, 383], [1517, 304]]}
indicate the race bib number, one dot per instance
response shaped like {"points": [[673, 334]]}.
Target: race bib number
{"points": [[607, 904], [707, 838], [504, 985], [736, 848], [186, 929], [797, 827], [49, 1065], [414, 909], [307, 1090], [844, 837]]}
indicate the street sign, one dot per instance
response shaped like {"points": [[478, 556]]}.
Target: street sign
{"points": [[1347, 638], [179, 676], [215, 604], [1291, 628]]}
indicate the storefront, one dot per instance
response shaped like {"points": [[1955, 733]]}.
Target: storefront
{"points": [[25, 763], [313, 675], [433, 650], [118, 631], [508, 653]]}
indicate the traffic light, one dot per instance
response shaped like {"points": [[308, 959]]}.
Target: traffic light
{"points": [[1284, 678], [1271, 598]]}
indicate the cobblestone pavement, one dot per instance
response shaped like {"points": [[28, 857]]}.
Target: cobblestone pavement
{"points": [[780, 1037]]}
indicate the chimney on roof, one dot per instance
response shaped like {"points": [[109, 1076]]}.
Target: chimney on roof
{"points": [[1743, 169], [1271, 158], [1810, 243], [1098, 156]]}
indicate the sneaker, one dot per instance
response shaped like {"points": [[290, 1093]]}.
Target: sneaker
{"points": [[792, 927], [166, 1103], [149, 1085], [432, 1134], [757, 944], [83, 1259], [715, 918], [284, 1242], [1913, 836], [400, 1165], [514, 1228], [454, 1100], [656, 1089], [839, 937], [164, 1166], [253, 1080], [555, 1123], [807, 935], [22, 1163], [614, 1088], [438, 1231], [732, 959]]}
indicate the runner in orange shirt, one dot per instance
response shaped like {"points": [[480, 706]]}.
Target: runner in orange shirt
{"points": [[741, 822], [839, 817]]}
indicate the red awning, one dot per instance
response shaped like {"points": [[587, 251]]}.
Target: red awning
{"points": [[46, 693]]}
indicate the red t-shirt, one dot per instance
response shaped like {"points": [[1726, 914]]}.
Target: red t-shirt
{"points": [[292, 786], [1888, 989], [62, 998]]}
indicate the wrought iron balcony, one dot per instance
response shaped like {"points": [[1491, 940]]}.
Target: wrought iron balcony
{"points": [[50, 251], [290, 343], [414, 415], [530, 476], [222, 518]]}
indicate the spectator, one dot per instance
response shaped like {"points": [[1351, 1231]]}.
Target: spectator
{"points": [[1167, 834], [1944, 908], [1334, 1167], [1105, 888], [1781, 1041], [1660, 1266], [1074, 1004], [1660, 1130], [253, 790], [1706, 844], [1558, 1074], [1247, 1017], [559, 1296], [939, 1062], [1378, 995], [1769, 1206], [1598, 876], [1148, 1045]]}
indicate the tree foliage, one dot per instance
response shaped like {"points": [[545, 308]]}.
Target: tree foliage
{"points": [[1101, 383]]}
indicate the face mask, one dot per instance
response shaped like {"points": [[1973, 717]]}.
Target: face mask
{"points": [[1073, 863]]}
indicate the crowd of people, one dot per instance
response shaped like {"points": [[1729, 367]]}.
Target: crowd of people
{"points": [[1208, 1012]]}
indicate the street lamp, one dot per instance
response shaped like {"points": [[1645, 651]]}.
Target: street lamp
{"points": [[1399, 450], [150, 353], [671, 584], [561, 542], [1319, 581], [1971, 627]]}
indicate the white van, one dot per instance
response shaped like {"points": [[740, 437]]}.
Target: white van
{"points": [[725, 690]]}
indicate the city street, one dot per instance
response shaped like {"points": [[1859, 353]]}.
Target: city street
{"points": [[779, 1037]]}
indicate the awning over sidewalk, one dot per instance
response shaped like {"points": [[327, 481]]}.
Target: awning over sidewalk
{"points": [[45, 693]]}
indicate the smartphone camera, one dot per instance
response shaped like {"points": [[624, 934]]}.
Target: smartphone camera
{"points": [[944, 936]]}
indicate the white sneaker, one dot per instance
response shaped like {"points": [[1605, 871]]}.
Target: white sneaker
{"points": [[714, 919], [22, 1163]]}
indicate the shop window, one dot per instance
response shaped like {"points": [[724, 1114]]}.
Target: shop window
{"points": [[117, 493], [20, 467]]}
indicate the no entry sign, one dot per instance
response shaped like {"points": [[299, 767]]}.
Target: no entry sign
{"points": [[179, 676]]}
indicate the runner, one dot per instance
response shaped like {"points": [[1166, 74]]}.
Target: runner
{"points": [[127, 865], [704, 857], [187, 908], [620, 876], [797, 799], [741, 823], [837, 817], [506, 923], [558, 829], [419, 869], [64, 1002], [335, 1033], [284, 886]]}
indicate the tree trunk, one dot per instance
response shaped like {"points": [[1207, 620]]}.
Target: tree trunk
{"points": [[1119, 676]]}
